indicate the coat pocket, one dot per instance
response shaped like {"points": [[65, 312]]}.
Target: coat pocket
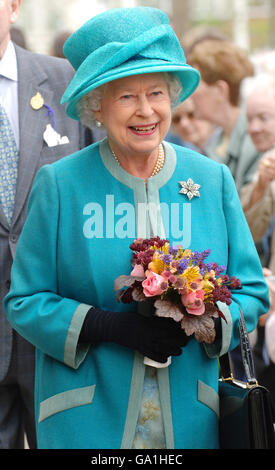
{"points": [[66, 400], [208, 396]]}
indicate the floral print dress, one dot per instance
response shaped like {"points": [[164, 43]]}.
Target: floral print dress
{"points": [[149, 430]]}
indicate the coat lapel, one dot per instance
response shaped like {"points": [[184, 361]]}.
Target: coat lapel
{"points": [[3, 220], [32, 124]]}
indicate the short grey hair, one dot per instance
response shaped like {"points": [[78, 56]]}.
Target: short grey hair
{"points": [[90, 102], [260, 82]]}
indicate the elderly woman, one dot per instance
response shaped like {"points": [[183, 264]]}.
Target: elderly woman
{"points": [[258, 197], [223, 67], [258, 201], [93, 389]]}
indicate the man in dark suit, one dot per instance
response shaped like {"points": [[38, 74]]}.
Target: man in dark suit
{"points": [[31, 86]]}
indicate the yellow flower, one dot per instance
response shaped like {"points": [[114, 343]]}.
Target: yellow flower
{"points": [[157, 265], [192, 274], [172, 269], [207, 287], [186, 253], [210, 274], [181, 253], [164, 249]]}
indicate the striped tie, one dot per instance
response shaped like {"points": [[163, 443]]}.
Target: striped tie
{"points": [[8, 165]]}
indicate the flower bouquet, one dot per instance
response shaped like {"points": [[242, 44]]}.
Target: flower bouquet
{"points": [[179, 283]]}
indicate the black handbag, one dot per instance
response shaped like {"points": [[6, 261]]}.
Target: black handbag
{"points": [[246, 409]]}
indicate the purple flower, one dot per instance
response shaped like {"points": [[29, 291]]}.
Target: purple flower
{"points": [[203, 269], [199, 257], [183, 264], [205, 254], [173, 251], [166, 259], [220, 269]]}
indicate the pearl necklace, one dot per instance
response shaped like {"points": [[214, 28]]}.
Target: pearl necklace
{"points": [[159, 163]]}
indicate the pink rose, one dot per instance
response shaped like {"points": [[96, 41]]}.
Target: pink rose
{"points": [[138, 271], [193, 302], [153, 284]]}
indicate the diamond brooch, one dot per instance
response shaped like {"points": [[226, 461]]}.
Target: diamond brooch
{"points": [[190, 188]]}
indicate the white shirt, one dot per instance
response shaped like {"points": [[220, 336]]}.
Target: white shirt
{"points": [[9, 88]]}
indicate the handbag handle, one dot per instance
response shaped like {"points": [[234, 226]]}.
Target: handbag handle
{"points": [[247, 357], [246, 351]]}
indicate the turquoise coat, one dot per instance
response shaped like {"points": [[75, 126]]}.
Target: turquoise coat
{"points": [[84, 211]]}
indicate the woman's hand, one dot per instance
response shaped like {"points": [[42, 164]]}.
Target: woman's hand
{"points": [[154, 337], [267, 273], [266, 174], [266, 171]]}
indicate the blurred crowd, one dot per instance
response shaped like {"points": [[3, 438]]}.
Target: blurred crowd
{"points": [[231, 119]]}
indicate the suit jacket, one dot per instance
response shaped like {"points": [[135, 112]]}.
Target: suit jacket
{"points": [[67, 262], [49, 76]]}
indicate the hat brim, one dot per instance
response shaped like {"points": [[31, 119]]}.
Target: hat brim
{"points": [[188, 76]]}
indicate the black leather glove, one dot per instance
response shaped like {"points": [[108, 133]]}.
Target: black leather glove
{"points": [[154, 337], [218, 328]]}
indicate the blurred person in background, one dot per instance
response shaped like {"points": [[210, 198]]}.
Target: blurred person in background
{"points": [[223, 66], [198, 34], [258, 197], [18, 37], [31, 86], [263, 348], [193, 132], [58, 43], [258, 201]]}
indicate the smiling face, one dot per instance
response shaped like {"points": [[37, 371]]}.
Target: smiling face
{"points": [[136, 113], [260, 110]]}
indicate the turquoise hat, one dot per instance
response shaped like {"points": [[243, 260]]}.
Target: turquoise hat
{"points": [[122, 42]]}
